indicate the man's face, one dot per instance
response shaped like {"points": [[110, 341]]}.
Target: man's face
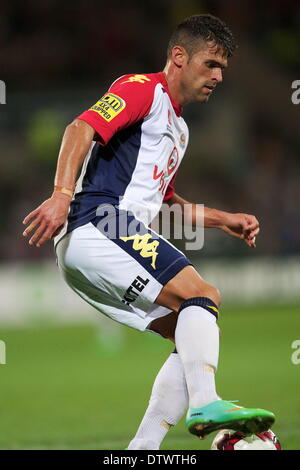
{"points": [[202, 72]]}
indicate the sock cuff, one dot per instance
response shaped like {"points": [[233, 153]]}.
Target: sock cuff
{"points": [[203, 302]]}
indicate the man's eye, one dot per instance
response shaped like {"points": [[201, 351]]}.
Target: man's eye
{"points": [[212, 65]]}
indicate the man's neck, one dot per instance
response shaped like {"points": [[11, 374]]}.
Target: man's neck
{"points": [[171, 74]]}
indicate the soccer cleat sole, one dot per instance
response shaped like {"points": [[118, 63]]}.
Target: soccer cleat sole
{"points": [[246, 426]]}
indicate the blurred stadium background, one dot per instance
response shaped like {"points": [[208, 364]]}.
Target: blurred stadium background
{"points": [[69, 371]]}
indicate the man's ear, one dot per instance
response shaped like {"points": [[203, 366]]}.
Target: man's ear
{"points": [[179, 56]]}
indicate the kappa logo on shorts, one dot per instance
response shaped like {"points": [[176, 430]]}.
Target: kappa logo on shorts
{"points": [[109, 106], [147, 249], [137, 78]]}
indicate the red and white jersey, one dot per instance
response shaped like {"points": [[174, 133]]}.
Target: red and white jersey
{"points": [[140, 141]]}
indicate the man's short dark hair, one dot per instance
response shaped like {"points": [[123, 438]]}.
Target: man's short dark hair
{"points": [[207, 28]]}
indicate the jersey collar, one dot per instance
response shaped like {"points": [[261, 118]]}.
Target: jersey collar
{"points": [[177, 108]]}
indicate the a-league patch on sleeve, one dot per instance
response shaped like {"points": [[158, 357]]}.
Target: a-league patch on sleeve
{"points": [[109, 106]]}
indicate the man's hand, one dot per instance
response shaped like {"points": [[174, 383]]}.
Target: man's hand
{"points": [[48, 219], [242, 226]]}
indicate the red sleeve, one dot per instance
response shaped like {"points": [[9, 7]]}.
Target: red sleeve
{"points": [[128, 100], [170, 189]]}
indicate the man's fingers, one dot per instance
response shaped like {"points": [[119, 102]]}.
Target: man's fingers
{"points": [[251, 233], [250, 230], [245, 227], [254, 233], [46, 236], [31, 226], [251, 238], [30, 216], [233, 233], [46, 220], [33, 240], [251, 223], [250, 227], [251, 243]]}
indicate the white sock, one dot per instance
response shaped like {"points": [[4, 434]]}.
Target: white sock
{"points": [[197, 343], [168, 402]]}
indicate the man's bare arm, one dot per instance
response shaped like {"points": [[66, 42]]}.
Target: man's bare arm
{"points": [[243, 226], [48, 219]]}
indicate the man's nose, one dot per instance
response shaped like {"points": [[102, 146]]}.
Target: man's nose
{"points": [[217, 75]]}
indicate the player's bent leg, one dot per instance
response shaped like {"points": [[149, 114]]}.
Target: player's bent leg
{"points": [[197, 342], [168, 403], [96, 276]]}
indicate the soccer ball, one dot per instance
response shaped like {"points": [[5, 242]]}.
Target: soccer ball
{"points": [[228, 439]]}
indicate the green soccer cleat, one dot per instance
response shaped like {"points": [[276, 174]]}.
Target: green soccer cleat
{"points": [[222, 414]]}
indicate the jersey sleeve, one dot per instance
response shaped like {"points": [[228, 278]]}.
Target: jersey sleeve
{"points": [[128, 100], [170, 189]]}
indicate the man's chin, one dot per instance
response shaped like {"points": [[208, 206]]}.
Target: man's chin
{"points": [[202, 98]]}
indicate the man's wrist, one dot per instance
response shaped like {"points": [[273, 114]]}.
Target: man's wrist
{"points": [[63, 190], [214, 218]]}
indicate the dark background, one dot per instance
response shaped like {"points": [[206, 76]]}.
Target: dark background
{"points": [[57, 59]]}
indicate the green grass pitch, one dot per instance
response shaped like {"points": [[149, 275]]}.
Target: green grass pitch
{"points": [[64, 388]]}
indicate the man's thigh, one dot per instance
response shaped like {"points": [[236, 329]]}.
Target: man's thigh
{"points": [[118, 284]]}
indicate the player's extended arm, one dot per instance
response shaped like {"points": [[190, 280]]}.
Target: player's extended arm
{"points": [[243, 226], [48, 219]]}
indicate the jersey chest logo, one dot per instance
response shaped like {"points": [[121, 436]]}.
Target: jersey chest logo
{"points": [[147, 249], [163, 174]]}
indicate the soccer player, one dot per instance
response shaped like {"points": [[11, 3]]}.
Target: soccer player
{"points": [[129, 145]]}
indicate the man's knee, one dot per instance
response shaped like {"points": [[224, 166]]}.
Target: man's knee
{"points": [[216, 296], [187, 284], [203, 290], [203, 302]]}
